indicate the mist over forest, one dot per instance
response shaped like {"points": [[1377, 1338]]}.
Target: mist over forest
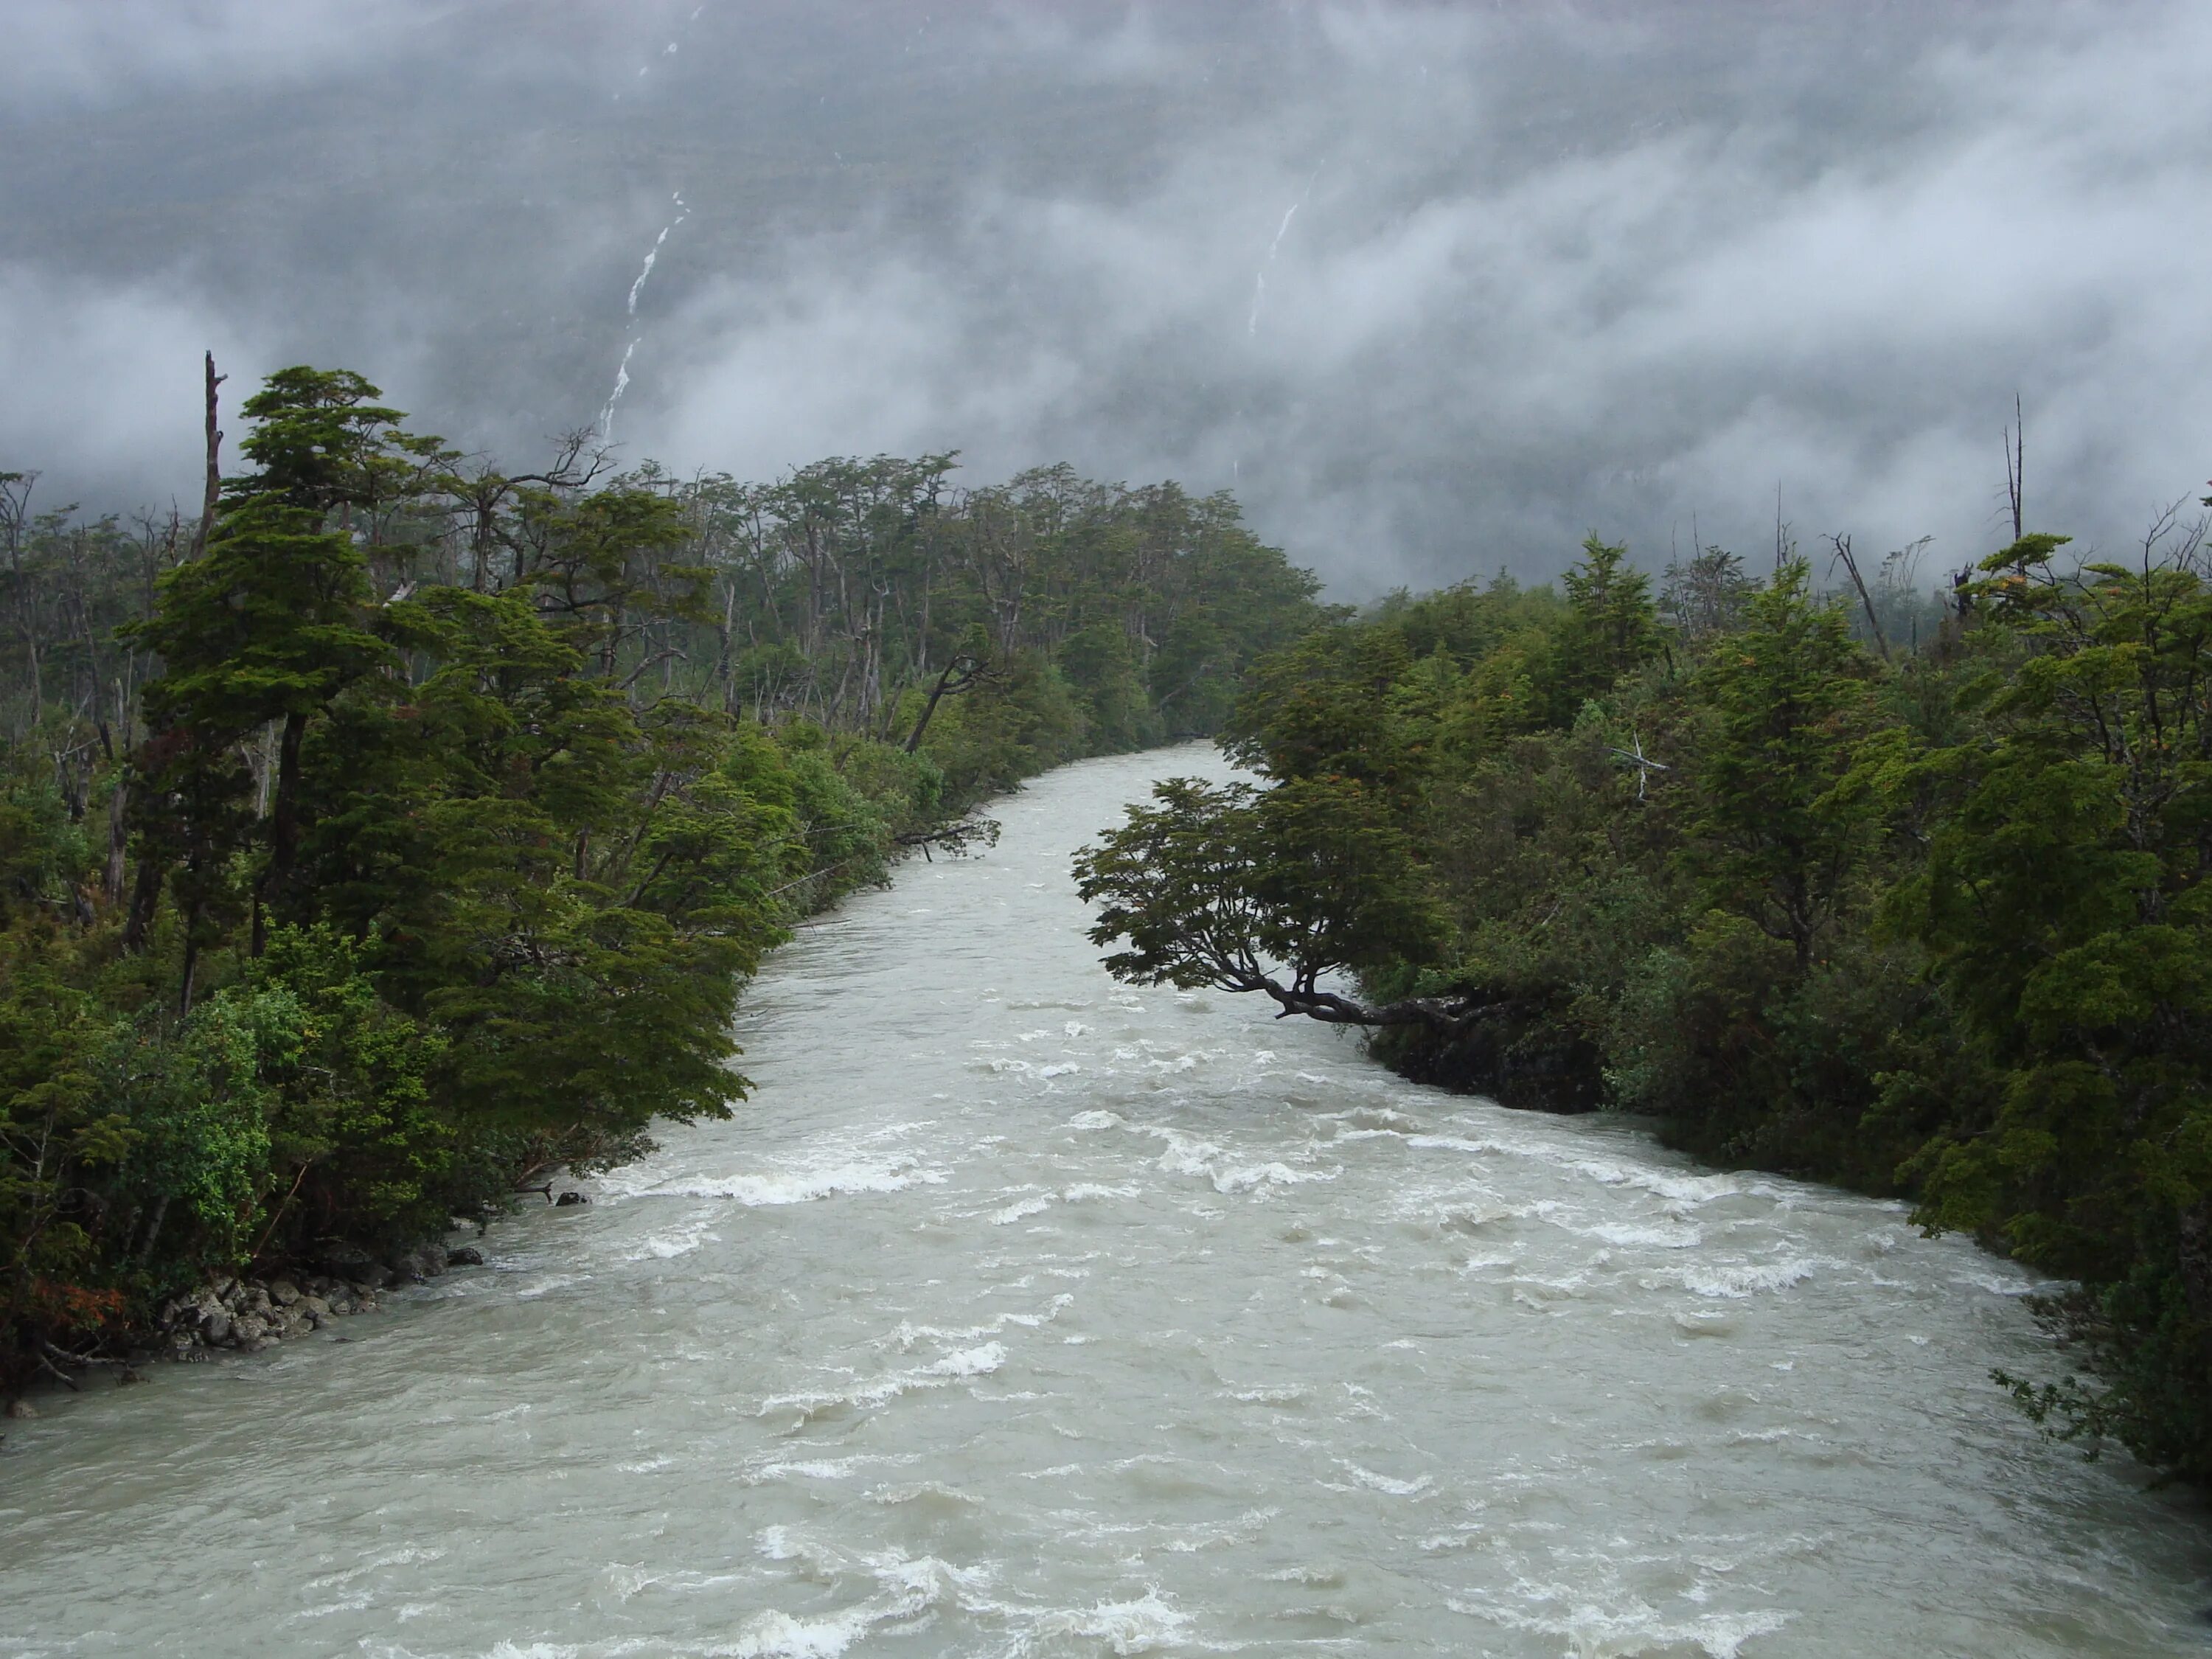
{"points": [[1433, 289]]}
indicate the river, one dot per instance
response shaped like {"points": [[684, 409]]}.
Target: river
{"points": [[1021, 1313]]}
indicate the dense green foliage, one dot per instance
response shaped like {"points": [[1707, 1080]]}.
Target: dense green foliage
{"points": [[408, 829], [1932, 920]]}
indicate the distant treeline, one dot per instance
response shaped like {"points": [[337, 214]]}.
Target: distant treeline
{"points": [[399, 829], [1907, 896]]}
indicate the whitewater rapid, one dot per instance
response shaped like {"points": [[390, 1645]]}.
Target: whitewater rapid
{"points": [[1023, 1314]]}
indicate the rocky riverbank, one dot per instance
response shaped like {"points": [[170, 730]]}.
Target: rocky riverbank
{"points": [[247, 1315]]}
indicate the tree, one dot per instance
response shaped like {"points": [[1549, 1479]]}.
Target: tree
{"points": [[268, 626], [1610, 627], [1774, 840], [2063, 903], [1272, 891]]}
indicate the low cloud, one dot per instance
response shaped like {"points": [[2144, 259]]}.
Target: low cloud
{"points": [[1414, 367], [1435, 290], [116, 377]]}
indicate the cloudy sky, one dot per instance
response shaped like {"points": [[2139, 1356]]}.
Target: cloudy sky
{"points": [[1435, 288]]}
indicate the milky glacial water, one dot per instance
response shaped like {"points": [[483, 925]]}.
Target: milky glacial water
{"points": [[1023, 1314]]}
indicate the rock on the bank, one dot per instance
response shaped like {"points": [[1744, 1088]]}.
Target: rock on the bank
{"points": [[248, 1315]]}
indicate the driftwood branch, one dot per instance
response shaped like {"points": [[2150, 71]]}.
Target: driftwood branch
{"points": [[1449, 1016], [956, 838]]}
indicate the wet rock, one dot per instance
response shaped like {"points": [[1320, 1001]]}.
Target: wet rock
{"points": [[284, 1293], [466, 1257], [19, 1408], [343, 1261], [216, 1326], [247, 1329], [426, 1261], [316, 1306], [128, 1375], [570, 1198]]}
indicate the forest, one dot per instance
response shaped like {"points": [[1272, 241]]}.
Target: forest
{"points": [[394, 831], [395, 828], [1860, 886]]}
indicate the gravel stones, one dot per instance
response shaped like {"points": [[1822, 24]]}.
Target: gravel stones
{"points": [[246, 1316]]}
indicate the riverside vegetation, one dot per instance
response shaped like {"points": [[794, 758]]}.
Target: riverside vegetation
{"points": [[1904, 895], [398, 830]]}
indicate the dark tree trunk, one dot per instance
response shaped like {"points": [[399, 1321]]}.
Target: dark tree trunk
{"points": [[118, 839], [211, 492], [145, 894], [283, 830]]}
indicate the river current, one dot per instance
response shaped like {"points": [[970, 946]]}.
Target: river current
{"points": [[1020, 1313]]}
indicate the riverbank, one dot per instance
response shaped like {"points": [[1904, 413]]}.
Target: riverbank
{"points": [[864, 794], [246, 1314]]}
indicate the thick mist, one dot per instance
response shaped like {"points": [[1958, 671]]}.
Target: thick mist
{"points": [[1434, 289]]}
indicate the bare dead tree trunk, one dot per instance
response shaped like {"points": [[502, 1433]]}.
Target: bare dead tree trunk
{"points": [[2016, 469], [119, 803], [212, 492], [1843, 546]]}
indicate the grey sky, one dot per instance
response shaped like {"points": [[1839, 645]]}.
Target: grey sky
{"points": [[1435, 288]]}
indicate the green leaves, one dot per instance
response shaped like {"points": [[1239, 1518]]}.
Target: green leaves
{"points": [[1247, 890], [1773, 836]]}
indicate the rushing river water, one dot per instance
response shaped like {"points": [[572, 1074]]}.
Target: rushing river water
{"points": [[1023, 1314]]}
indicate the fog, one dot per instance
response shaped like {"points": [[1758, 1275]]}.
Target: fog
{"points": [[1435, 289]]}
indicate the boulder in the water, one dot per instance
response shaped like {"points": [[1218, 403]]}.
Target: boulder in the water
{"points": [[467, 1255], [568, 1197]]}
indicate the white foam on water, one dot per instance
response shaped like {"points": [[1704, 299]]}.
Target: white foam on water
{"points": [[1451, 1144], [672, 1241], [1997, 1283], [952, 1367], [808, 1183], [1591, 1633], [907, 1335], [1189, 1155], [547, 1286], [1271, 1394], [827, 1468], [1244, 1178], [907, 1589], [1143, 1626], [1739, 1279], [1190, 1541], [1021, 1209], [1387, 1483], [1085, 1192], [1678, 1235]]}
